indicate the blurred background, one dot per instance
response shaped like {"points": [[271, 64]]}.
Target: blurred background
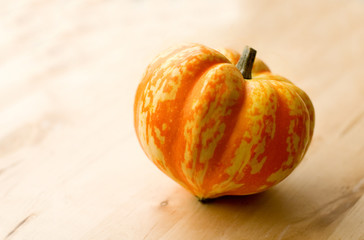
{"points": [[69, 48], [68, 75]]}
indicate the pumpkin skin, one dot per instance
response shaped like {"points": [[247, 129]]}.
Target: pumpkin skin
{"points": [[214, 132]]}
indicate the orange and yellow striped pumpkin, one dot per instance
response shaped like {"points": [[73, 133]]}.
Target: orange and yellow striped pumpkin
{"points": [[214, 132]]}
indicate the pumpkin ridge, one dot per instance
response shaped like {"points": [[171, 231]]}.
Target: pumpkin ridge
{"points": [[301, 95], [185, 90], [155, 64], [179, 143], [239, 164], [232, 105], [159, 116], [287, 137], [310, 110], [215, 170]]}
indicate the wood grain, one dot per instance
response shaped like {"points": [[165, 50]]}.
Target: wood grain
{"points": [[70, 164]]}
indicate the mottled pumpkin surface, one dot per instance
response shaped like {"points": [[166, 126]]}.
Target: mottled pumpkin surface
{"points": [[214, 132]]}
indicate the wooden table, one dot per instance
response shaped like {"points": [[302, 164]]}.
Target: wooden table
{"points": [[70, 164]]}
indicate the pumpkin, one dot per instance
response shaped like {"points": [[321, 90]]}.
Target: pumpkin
{"points": [[216, 132]]}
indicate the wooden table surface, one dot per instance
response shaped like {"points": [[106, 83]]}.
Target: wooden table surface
{"points": [[70, 163]]}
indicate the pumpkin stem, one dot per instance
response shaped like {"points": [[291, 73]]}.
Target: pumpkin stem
{"points": [[246, 61]]}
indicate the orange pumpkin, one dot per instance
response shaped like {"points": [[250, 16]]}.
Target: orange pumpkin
{"points": [[214, 132]]}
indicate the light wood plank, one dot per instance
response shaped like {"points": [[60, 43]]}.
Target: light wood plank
{"points": [[70, 163]]}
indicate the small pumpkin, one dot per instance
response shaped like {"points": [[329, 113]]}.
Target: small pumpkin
{"points": [[216, 132]]}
